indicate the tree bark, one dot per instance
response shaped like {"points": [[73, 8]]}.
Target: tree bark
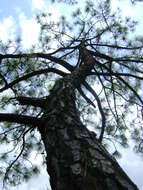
{"points": [[75, 158]]}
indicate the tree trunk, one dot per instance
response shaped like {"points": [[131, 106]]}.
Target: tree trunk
{"points": [[75, 158]]}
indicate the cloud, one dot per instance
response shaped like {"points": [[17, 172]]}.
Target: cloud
{"points": [[7, 29], [38, 4], [29, 30]]}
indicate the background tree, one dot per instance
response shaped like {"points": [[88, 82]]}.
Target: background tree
{"points": [[84, 72]]}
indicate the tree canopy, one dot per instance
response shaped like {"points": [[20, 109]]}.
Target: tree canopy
{"points": [[108, 97]]}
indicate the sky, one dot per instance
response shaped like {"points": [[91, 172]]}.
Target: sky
{"points": [[17, 18]]}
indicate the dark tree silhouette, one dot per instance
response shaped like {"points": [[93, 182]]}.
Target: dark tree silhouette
{"points": [[88, 72]]}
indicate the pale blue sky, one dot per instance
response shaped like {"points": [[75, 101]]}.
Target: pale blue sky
{"points": [[8, 7], [17, 17]]}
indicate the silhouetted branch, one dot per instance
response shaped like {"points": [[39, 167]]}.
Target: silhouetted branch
{"points": [[37, 102], [99, 107], [115, 74], [22, 119], [38, 55], [128, 67], [110, 59], [116, 46], [34, 73], [132, 89], [85, 97], [123, 81], [15, 160], [3, 78]]}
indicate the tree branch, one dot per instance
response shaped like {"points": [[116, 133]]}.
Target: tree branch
{"points": [[3, 78], [116, 46], [115, 74], [132, 89], [22, 119], [101, 55], [123, 81], [15, 160], [38, 55], [85, 97], [107, 57], [34, 73], [37, 102], [99, 107]]}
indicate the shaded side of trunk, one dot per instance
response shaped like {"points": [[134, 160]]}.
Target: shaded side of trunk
{"points": [[75, 158]]}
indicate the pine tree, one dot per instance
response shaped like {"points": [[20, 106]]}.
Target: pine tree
{"points": [[85, 72]]}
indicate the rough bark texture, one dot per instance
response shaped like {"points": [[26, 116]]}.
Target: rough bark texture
{"points": [[75, 158]]}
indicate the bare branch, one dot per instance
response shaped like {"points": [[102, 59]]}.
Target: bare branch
{"points": [[9, 130], [22, 119], [37, 102], [101, 55], [107, 57], [126, 83], [115, 74], [34, 73], [38, 55], [85, 97], [99, 107], [117, 47], [3, 78], [132, 89], [15, 160]]}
